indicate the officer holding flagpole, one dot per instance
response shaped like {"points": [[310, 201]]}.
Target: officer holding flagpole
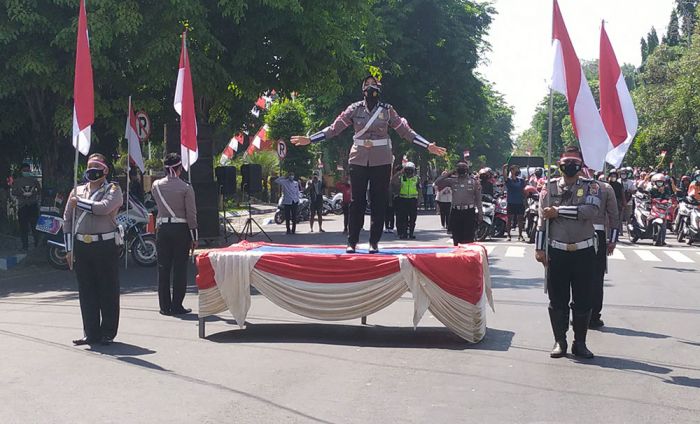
{"points": [[370, 157]]}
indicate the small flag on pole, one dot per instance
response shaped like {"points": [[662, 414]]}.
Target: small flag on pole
{"points": [[83, 89], [131, 135]]}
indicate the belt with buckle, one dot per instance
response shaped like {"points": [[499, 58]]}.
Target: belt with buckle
{"points": [[89, 238], [599, 227], [462, 207], [572, 247], [173, 220], [372, 143]]}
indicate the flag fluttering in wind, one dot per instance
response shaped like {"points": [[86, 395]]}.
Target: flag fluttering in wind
{"points": [[184, 106], [83, 89], [231, 149], [569, 79], [616, 107], [260, 141], [132, 138]]}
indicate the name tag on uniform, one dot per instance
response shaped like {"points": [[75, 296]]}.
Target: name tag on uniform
{"points": [[461, 185], [579, 193]]}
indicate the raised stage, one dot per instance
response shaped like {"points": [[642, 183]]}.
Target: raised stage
{"points": [[325, 283]]}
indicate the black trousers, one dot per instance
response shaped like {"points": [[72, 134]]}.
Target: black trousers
{"points": [[571, 275], [601, 265], [27, 216], [378, 179], [346, 215], [406, 214], [389, 218], [463, 225], [173, 243], [444, 213], [97, 271], [290, 217]]}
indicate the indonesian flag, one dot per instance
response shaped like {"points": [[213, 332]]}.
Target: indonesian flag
{"points": [[184, 106], [663, 153], [83, 91], [231, 149], [568, 79], [404, 160], [132, 138], [616, 107]]}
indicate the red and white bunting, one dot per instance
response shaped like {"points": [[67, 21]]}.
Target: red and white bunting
{"points": [[231, 149], [83, 88], [569, 79], [616, 106], [184, 106], [131, 135]]}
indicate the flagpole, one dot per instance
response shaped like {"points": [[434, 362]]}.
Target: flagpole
{"points": [[75, 193], [549, 180], [128, 165]]}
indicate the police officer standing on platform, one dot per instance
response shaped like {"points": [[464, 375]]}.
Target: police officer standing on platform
{"points": [[570, 204], [606, 221], [370, 157], [93, 243], [467, 209], [176, 236]]}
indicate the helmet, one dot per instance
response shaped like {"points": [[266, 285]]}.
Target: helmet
{"points": [[658, 177], [685, 178], [529, 190], [410, 165], [539, 172], [696, 173], [484, 171]]}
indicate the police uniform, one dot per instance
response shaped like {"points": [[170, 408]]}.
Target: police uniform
{"points": [[369, 160], [606, 221], [93, 242], [571, 255], [466, 202], [177, 229], [406, 204], [27, 191]]}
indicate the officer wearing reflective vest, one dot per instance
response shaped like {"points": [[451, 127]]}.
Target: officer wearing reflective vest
{"points": [[607, 229], [405, 181], [92, 246], [569, 204], [467, 209], [370, 157], [176, 235]]}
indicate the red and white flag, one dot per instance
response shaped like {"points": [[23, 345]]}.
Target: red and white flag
{"points": [[231, 149], [568, 79], [259, 140], [184, 106], [663, 153], [83, 89], [404, 160], [132, 138], [616, 107]]}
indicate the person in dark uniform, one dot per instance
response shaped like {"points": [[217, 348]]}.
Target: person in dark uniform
{"points": [[406, 183], [92, 240], [370, 156], [607, 221], [467, 208], [570, 204], [26, 189], [314, 190], [176, 236]]}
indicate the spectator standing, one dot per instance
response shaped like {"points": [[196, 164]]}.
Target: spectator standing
{"points": [[290, 199], [344, 187], [314, 189], [515, 198], [429, 195], [444, 203], [27, 190]]}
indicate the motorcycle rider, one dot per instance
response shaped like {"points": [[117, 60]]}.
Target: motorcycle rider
{"points": [[694, 187], [406, 206], [486, 179], [659, 189]]}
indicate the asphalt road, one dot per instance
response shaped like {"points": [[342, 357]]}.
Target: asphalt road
{"points": [[285, 368]]}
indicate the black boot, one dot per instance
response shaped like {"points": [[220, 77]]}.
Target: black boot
{"points": [[581, 321], [560, 323]]}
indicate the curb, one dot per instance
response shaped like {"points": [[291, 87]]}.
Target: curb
{"points": [[8, 262]]}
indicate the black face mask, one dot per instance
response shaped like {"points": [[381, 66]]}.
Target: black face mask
{"points": [[408, 172], [570, 169], [462, 171], [94, 174], [372, 94]]}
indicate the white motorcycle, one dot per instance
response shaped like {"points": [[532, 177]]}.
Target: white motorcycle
{"points": [[485, 227]]}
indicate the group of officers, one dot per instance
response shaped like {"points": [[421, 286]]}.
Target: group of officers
{"points": [[577, 228]]}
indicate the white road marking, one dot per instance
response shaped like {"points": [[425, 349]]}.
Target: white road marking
{"points": [[515, 252], [489, 249], [646, 255], [678, 256], [617, 254]]}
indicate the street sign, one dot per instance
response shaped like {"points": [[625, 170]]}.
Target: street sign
{"points": [[144, 125], [281, 149]]}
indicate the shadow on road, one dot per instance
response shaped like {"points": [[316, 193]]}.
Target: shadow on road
{"points": [[684, 381], [632, 333], [668, 268], [363, 336], [625, 364]]}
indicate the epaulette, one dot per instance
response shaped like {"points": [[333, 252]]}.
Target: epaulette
{"points": [[386, 106], [586, 180]]}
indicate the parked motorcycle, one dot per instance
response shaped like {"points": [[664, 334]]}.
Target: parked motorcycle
{"points": [[689, 225], [50, 223], [648, 220], [685, 207], [337, 202], [500, 220], [303, 211], [485, 226], [137, 240]]}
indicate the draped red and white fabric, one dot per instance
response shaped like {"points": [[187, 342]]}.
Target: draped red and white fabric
{"points": [[184, 106], [616, 107], [132, 138], [231, 149], [320, 282], [83, 88], [260, 141], [569, 79]]}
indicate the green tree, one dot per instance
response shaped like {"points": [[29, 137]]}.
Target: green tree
{"points": [[285, 119], [673, 35], [652, 40]]}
